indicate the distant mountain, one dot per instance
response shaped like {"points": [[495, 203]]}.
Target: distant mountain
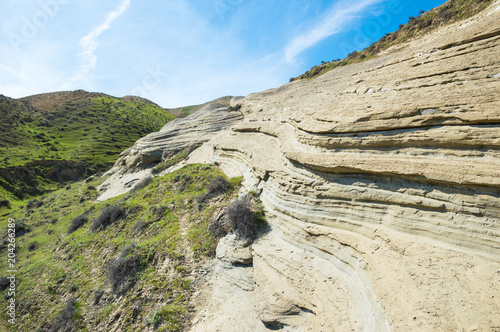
{"points": [[88, 129]]}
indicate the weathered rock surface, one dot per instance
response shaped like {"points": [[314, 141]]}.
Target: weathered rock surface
{"points": [[135, 163], [381, 182]]}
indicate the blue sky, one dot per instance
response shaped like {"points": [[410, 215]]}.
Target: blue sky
{"points": [[182, 52]]}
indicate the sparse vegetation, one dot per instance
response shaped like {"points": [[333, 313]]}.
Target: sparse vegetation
{"points": [[48, 140], [242, 216], [142, 183], [173, 160], [424, 22], [99, 268], [109, 215], [76, 223], [65, 321]]}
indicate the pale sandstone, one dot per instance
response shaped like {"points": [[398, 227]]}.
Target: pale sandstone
{"points": [[381, 183]]}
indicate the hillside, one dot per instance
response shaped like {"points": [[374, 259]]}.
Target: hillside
{"points": [[40, 135], [124, 265], [418, 25], [380, 182], [365, 199]]}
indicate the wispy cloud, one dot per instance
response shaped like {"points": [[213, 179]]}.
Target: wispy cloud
{"points": [[338, 18], [89, 44]]}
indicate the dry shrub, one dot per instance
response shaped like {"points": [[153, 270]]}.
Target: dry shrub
{"points": [[217, 186], [77, 223], [108, 216], [64, 322], [120, 272]]}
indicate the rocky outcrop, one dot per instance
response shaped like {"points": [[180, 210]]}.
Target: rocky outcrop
{"points": [[381, 184], [136, 162]]}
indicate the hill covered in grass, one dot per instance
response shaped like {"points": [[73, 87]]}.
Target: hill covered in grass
{"points": [[55, 137], [421, 24], [128, 264]]}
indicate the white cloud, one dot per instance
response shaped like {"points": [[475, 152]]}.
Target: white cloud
{"points": [[89, 44], [337, 19]]}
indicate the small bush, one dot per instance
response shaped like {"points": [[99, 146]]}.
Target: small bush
{"points": [[77, 223], [121, 271], [32, 246], [217, 186], [241, 216], [159, 211], [5, 202], [64, 322], [98, 293], [142, 183], [34, 204], [108, 216], [21, 228], [4, 283], [138, 226]]}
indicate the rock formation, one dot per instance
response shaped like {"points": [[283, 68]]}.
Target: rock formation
{"points": [[381, 183]]}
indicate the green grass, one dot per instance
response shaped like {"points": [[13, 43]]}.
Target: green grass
{"points": [[423, 23], [94, 128], [89, 129], [173, 225]]}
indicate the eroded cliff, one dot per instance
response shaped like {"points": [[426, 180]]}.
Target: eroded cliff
{"points": [[381, 182]]}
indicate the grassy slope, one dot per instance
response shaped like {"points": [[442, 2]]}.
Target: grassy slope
{"points": [[78, 126], [449, 12], [88, 128], [73, 265]]}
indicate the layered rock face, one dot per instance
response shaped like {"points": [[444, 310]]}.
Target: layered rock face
{"points": [[381, 182], [134, 164]]}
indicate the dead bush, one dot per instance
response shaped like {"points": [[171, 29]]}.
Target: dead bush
{"points": [[217, 186], [33, 246], [138, 226], [141, 183], [108, 216], [64, 322], [240, 217], [77, 223], [120, 272]]}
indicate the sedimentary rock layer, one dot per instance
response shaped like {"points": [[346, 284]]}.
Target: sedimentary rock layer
{"points": [[381, 182]]}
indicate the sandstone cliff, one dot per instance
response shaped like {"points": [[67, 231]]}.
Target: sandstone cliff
{"points": [[381, 182]]}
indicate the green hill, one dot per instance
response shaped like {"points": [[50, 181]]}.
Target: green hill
{"points": [[55, 137], [84, 266]]}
